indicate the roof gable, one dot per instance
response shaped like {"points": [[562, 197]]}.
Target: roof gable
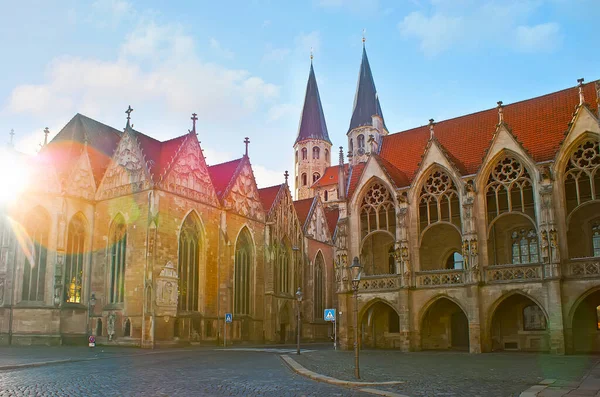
{"points": [[303, 209], [223, 174], [242, 196], [81, 182], [268, 196], [317, 226], [330, 176]]}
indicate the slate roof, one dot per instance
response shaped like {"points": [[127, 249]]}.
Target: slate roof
{"points": [[268, 195], [312, 121], [330, 176], [539, 124], [222, 174], [366, 100]]}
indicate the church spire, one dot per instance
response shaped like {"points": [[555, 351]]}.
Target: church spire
{"points": [[366, 100], [312, 121]]}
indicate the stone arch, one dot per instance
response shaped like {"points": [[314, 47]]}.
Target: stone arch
{"points": [[193, 212], [505, 239], [375, 253], [438, 239], [584, 322], [243, 274], [509, 317], [190, 262], [379, 324], [583, 225], [444, 324], [362, 190], [486, 168]]}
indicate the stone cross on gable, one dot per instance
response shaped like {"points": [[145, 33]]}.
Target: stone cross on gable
{"points": [[46, 132], [500, 112], [128, 111], [431, 124], [194, 119], [286, 175], [246, 141], [580, 86]]}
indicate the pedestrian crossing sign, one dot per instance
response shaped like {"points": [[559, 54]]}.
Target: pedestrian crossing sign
{"points": [[228, 318], [329, 314]]}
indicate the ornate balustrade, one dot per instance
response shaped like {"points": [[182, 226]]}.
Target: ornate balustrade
{"points": [[436, 278], [380, 282], [583, 268], [513, 273]]}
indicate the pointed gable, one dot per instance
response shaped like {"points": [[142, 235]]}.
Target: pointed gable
{"points": [[312, 121], [268, 195], [366, 100], [81, 182], [539, 124], [354, 177], [330, 176], [222, 175], [241, 195], [184, 170], [332, 215], [303, 209], [316, 225]]}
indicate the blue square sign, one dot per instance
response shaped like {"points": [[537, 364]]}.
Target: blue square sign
{"points": [[228, 318], [329, 315]]}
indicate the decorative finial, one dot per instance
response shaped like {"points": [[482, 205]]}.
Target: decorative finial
{"points": [[12, 134], [46, 132], [500, 112], [431, 124], [285, 175], [311, 55], [128, 111], [364, 38], [341, 156], [246, 141], [194, 119], [580, 86]]}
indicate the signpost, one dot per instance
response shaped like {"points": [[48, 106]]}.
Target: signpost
{"points": [[92, 341], [329, 315], [228, 319]]}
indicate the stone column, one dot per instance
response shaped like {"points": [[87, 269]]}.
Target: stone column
{"points": [[404, 315], [555, 323]]}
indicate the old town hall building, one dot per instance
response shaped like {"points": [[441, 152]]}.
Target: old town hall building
{"points": [[480, 233]]}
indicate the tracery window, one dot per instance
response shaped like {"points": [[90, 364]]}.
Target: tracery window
{"points": [[533, 318], [316, 177], [74, 261], [509, 189], [34, 272], [360, 141], [304, 153], [117, 251], [455, 261], [525, 247], [284, 269], [243, 260], [304, 181], [319, 287], [188, 264], [439, 200], [582, 175], [316, 152], [596, 240], [377, 210]]}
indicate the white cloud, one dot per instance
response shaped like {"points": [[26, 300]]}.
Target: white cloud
{"points": [[225, 53], [266, 177], [543, 37], [275, 54], [473, 23], [281, 111]]}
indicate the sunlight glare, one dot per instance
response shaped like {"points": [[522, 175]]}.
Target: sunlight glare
{"points": [[14, 174]]}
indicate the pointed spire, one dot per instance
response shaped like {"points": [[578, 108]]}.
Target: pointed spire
{"points": [[312, 121], [431, 125], [246, 142], [366, 100], [128, 111], [12, 134], [500, 112], [580, 86], [286, 175], [194, 119]]}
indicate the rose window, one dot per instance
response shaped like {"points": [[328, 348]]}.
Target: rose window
{"points": [[509, 189], [377, 210], [439, 200]]}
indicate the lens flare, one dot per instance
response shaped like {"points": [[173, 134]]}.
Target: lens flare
{"points": [[14, 174]]}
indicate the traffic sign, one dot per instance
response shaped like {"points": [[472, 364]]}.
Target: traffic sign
{"points": [[92, 341], [329, 314], [228, 318]]}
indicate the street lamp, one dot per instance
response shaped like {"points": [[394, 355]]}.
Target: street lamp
{"points": [[356, 270], [299, 298], [91, 304]]}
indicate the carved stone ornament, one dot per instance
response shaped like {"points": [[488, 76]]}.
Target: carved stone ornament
{"points": [[166, 291], [243, 197], [110, 325], [81, 182]]}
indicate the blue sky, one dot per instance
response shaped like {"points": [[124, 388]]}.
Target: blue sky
{"points": [[243, 65]]}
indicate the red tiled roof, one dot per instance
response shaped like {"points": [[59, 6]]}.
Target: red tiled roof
{"points": [[332, 215], [538, 124], [355, 174], [330, 176], [222, 174], [168, 151], [303, 209], [398, 177], [268, 195]]}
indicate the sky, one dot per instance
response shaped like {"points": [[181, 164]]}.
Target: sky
{"points": [[242, 66]]}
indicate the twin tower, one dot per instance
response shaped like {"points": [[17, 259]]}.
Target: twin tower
{"points": [[312, 148]]}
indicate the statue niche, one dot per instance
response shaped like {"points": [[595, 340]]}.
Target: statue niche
{"points": [[166, 291]]}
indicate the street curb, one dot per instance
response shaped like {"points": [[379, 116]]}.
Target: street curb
{"points": [[296, 367], [535, 389], [76, 360]]}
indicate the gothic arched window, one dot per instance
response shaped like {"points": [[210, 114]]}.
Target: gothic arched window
{"points": [[316, 152], [582, 179], [326, 155], [377, 210], [304, 181], [524, 247], [319, 286], [439, 200], [242, 273], [533, 318], [296, 156], [284, 269], [509, 189], [360, 141], [316, 177], [455, 261], [596, 240], [74, 261], [37, 225], [304, 153], [117, 251], [189, 264]]}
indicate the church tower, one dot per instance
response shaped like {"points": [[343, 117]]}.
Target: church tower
{"points": [[367, 126], [312, 149]]}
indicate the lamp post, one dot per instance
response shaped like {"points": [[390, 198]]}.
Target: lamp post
{"points": [[299, 299], [356, 270], [91, 305]]}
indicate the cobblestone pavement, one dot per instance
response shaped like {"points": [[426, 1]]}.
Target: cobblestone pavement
{"points": [[198, 372], [450, 373]]}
